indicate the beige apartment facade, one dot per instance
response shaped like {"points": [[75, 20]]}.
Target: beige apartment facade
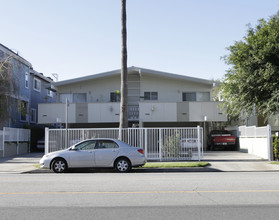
{"points": [[155, 99]]}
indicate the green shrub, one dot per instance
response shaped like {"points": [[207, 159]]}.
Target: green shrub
{"points": [[171, 146], [276, 147]]}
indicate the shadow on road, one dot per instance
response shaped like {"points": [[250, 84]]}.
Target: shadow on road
{"points": [[135, 170]]}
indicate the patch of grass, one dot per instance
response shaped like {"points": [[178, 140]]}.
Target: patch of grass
{"points": [[175, 164], [275, 162], [166, 164], [37, 166]]}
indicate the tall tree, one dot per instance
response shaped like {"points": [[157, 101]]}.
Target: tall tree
{"points": [[124, 84], [9, 86], [251, 84]]}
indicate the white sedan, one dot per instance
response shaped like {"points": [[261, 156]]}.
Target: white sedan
{"points": [[95, 153]]}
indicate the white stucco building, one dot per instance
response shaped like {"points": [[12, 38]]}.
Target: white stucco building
{"points": [[155, 99]]}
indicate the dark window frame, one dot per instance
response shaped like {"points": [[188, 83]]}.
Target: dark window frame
{"points": [[151, 96], [114, 97]]}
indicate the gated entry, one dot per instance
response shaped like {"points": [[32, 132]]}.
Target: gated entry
{"points": [[159, 144]]}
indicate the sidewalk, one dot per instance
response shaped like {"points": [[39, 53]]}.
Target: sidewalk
{"points": [[219, 162], [20, 163]]}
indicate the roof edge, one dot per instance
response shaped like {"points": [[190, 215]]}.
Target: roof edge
{"points": [[134, 68], [89, 77]]}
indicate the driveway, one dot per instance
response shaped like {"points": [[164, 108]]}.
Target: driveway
{"points": [[229, 156], [235, 161]]}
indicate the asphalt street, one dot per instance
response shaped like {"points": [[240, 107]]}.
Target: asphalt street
{"points": [[234, 186], [260, 212], [184, 195]]}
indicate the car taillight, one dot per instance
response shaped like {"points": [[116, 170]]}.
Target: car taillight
{"points": [[141, 151]]}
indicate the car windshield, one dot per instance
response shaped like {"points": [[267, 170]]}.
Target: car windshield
{"points": [[220, 132]]}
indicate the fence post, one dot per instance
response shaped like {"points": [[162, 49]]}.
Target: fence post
{"points": [[129, 133], [46, 140], [145, 142], [203, 141], [160, 144], [4, 131], [199, 143], [83, 135], [17, 141], [269, 143]]}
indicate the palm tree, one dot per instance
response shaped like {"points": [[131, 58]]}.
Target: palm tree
{"points": [[124, 85]]}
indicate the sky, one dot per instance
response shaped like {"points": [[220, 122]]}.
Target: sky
{"points": [[75, 38]]}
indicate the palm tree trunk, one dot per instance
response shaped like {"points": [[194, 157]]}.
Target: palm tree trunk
{"points": [[124, 85]]}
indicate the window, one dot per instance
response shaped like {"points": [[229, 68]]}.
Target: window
{"points": [[79, 97], [73, 98], [203, 96], [65, 96], [49, 92], [196, 96], [114, 97], [189, 96], [106, 144], [23, 111], [150, 95], [33, 115], [87, 145], [37, 85], [26, 80]]}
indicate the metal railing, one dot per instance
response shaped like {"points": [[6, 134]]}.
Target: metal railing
{"points": [[162, 144]]}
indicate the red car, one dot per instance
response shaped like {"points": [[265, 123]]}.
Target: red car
{"points": [[221, 138]]}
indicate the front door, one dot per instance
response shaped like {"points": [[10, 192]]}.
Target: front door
{"points": [[83, 154]]}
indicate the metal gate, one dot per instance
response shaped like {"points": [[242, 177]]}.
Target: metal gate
{"points": [[159, 144]]}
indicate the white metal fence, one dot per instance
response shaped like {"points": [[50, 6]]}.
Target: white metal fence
{"points": [[14, 141], [1, 140], [163, 144], [253, 131]]}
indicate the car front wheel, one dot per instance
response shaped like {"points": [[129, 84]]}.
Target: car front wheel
{"points": [[59, 165], [123, 165]]}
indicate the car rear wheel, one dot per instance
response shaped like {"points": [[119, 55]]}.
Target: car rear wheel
{"points": [[123, 165], [59, 165]]}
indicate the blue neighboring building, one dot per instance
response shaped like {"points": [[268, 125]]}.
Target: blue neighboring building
{"points": [[33, 88]]}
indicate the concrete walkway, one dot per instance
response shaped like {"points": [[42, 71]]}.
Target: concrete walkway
{"points": [[20, 164], [220, 162], [235, 161]]}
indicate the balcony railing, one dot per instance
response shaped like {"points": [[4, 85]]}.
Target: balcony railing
{"points": [[49, 113], [133, 113]]}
